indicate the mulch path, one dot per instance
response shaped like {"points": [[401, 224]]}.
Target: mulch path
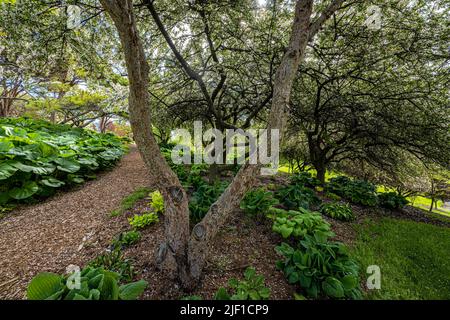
{"points": [[69, 228]]}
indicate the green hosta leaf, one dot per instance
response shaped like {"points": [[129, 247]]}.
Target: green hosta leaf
{"points": [[349, 282], [67, 165], [109, 289], [27, 190], [52, 182], [333, 287], [132, 291], [6, 146], [286, 231], [7, 169], [75, 178], [222, 294], [45, 286]]}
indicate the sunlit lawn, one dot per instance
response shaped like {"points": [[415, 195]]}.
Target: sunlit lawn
{"points": [[413, 257]]}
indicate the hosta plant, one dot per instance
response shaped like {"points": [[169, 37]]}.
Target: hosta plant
{"points": [[252, 287], [89, 284], [392, 200], [127, 238], [357, 191], [38, 157], [306, 179], [143, 220], [257, 201], [338, 211], [114, 261], [300, 223], [157, 201], [297, 196], [320, 268]]}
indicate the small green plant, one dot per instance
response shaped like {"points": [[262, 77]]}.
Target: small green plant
{"points": [[127, 238], [129, 201], [297, 196], [202, 199], [300, 223], [306, 179], [257, 201], [392, 200], [143, 220], [114, 261], [251, 288], [157, 202], [90, 284], [333, 196], [337, 211], [320, 268]]}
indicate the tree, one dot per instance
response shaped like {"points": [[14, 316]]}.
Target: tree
{"points": [[368, 96], [183, 254]]}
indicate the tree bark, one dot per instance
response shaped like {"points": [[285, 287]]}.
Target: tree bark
{"points": [[171, 254]]}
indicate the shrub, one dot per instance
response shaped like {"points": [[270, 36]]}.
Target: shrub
{"points": [[114, 261], [257, 201], [127, 239], [306, 179], [143, 220], [320, 268], [297, 196], [337, 211], [392, 200], [357, 191], [251, 288], [300, 223], [38, 157], [95, 284], [157, 202]]}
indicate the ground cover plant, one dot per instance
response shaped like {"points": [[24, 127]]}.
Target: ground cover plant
{"points": [[37, 157], [337, 210]]}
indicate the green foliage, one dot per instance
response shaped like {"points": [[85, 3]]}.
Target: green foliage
{"points": [[297, 196], [129, 201], [392, 200], [203, 198], [251, 288], [257, 201], [143, 220], [37, 157], [306, 179], [157, 202], [338, 211], [114, 261], [357, 191], [94, 284], [300, 223], [320, 268], [332, 196], [413, 257], [127, 239]]}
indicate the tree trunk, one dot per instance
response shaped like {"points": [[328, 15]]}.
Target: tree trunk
{"points": [[321, 170], [171, 254]]}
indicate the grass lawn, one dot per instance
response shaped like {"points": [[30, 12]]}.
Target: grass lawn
{"points": [[414, 258]]}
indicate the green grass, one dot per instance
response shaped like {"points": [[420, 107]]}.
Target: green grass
{"points": [[129, 201], [413, 257]]}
